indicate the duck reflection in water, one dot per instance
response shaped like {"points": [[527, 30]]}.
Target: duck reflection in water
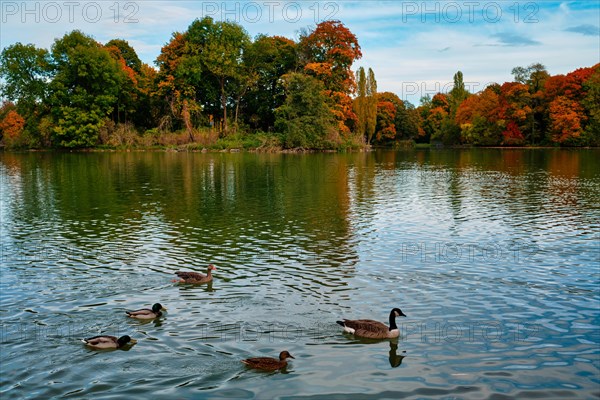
{"points": [[208, 287]]}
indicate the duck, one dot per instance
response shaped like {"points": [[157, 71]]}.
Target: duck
{"points": [[195, 277], [367, 328], [146, 313], [108, 342], [268, 363]]}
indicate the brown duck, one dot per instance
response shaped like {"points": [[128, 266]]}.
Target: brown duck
{"points": [[367, 328], [108, 342], [195, 277], [268, 363]]}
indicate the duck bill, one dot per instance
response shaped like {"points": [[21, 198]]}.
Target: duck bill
{"points": [[132, 341], [163, 309]]}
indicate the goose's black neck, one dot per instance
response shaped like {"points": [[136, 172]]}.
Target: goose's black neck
{"points": [[393, 321]]}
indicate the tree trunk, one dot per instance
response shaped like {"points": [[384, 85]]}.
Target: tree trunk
{"points": [[237, 110], [224, 105], [185, 113]]}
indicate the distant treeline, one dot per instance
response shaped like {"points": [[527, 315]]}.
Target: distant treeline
{"points": [[215, 87]]}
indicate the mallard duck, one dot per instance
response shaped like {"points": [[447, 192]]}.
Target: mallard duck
{"points": [[195, 277], [108, 342], [367, 328], [268, 363], [146, 313]]}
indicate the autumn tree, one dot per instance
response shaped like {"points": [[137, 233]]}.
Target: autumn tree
{"points": [[534, 76], [127, 53], [566, 119], [327, 53], [479, 118], [387, 108], [134, 103], [515, 112], [128, 96], [568, 110], [178, 78], [434, 113], [11, 124], [438, 115]]}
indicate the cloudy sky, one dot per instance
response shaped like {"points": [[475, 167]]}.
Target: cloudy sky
{"points": [[414, 47]]}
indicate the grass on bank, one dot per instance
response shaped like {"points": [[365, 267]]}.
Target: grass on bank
{"points": [[125, 136]]}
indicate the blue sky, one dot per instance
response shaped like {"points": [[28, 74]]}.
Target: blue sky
{"points": [[414, 47]]}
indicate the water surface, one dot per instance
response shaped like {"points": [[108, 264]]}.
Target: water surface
{"points": [[493, 255]]}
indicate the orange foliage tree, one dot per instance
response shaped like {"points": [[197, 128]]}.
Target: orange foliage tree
{"points": [[386, 116], [176, 78], [566, 118], [328, 53], [11, 125], [479, 118]]}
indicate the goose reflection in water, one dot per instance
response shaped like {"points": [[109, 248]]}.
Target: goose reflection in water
{"points": [[395, 359]]}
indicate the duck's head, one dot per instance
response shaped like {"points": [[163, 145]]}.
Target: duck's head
{"points": [[211, 268], [123, 340], [285, 354], [158, 307], [398, 312]]}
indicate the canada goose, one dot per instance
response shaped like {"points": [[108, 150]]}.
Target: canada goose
{"points": [[146, 313], [108, 342], [268, 363], [367, 328], [195, 277]]}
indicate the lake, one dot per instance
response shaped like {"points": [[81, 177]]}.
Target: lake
{"points": [[493, 255]]}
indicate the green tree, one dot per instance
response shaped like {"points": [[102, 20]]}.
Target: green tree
{"points": [[270, 58], [591, 104], [407, 121], [25, 71], [371, 105], [458, 94], [220, 46], [84, 90], [360, 103], [305, 119]]}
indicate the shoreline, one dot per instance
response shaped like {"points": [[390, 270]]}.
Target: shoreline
{"points": [[366, 149]]}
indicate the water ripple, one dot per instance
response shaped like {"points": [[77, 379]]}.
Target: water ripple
{"points": [[492, 255]]}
